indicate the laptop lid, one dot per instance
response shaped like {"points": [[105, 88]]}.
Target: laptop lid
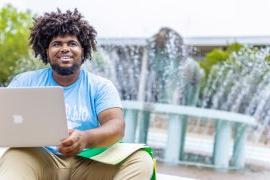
{"points": [[32, 117]]}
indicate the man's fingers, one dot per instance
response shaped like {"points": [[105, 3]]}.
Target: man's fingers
{"points": [[71, 145], [71, 149], [68, 142], [70, 131], [73, 138]]}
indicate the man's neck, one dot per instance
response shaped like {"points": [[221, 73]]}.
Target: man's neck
{"points": [[66, 80]]}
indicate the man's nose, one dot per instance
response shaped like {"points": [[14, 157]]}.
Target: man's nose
{"points": [[64, 48]]}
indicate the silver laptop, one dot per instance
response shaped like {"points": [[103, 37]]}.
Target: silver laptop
{"points": [[32, 117]]}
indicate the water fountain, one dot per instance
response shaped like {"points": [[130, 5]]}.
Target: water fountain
{"points": [[241, 84], [161, 58], [160, 71]]}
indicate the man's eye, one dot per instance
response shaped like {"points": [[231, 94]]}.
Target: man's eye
{"points": [[55, 44], [73, 44]]}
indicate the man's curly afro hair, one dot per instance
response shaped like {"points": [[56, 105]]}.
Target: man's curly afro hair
{"points": [[53, 24]]}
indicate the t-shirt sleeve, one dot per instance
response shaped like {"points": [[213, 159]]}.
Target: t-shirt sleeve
{"points": [[107, 97], [16, 82], [21, 80]]}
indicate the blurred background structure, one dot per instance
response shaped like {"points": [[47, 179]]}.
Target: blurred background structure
{"points": [[199, 96]]}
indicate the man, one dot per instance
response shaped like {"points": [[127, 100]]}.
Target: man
{"points": [[93, 107]]}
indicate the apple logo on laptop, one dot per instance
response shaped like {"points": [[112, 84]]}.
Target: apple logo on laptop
{"points": [[17, 119]]}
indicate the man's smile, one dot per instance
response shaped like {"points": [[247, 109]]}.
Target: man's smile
{"points": [[65, 59]]}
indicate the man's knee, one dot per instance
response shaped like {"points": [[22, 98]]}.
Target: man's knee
{"points": [[145, 162], [141, 162], [24, 156], [29, 163], [18, 153], [15, 154], [14, 164]]}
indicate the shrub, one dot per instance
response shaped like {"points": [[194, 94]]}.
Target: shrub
{"points": [[14, 28]]}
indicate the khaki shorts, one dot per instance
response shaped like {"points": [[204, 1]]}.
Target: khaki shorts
{"points": [[39, 164]]}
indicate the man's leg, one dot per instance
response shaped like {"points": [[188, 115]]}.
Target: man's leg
{"points": [[85, 169], [32, 164], [139, 166]]}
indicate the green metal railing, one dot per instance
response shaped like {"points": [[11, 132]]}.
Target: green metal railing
{"points": [[174, 151]]}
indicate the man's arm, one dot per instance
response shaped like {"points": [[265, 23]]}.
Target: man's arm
{"points": [[110, 131]]}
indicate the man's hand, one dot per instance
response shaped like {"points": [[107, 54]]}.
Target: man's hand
{"points": [[73, 144]]}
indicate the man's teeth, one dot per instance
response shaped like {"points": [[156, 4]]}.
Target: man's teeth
{"points": [[65, 57]]}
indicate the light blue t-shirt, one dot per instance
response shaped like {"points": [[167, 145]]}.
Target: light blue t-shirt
{"points": [[84, 99]]}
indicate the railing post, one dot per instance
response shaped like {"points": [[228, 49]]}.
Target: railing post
{"points": [[144, 118], [175, 140], [131, 125], [238, 158], [222, 145], [184, 123]]}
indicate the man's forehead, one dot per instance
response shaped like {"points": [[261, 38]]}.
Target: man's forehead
{"points": [[65, 37]]}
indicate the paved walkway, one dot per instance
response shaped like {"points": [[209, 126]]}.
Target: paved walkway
{"points": [[169, 177]]}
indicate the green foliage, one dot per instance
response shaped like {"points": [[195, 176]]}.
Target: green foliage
{"points": [[218, 55], [267, 58], [14, 28], [27, 64], [235, 47]]}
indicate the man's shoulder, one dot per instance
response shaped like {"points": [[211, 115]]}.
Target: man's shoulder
{"points": [[31, 74], [30, 78]]}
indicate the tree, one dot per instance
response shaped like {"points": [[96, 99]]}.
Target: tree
{"points": [[14, 28]]}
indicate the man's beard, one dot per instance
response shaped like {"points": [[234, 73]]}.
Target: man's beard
{"points": [[65, 71]]}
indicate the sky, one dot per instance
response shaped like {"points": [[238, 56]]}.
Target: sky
{"points": [[143, 18]]}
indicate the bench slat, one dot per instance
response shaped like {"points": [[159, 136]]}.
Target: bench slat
{"points": [[189, 110]]}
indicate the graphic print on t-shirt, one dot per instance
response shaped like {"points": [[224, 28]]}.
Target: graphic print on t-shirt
{"points": [[76, 115]]}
